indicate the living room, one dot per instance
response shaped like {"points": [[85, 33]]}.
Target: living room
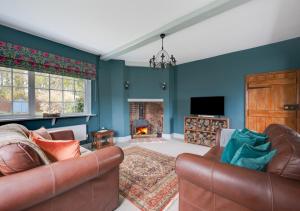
{"points": [[161, 105]]}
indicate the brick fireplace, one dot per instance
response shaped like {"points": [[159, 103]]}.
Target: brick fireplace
{"points": [[146, 119]]}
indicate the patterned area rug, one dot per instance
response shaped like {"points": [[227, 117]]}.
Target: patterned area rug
{"points": [[148, 178]]}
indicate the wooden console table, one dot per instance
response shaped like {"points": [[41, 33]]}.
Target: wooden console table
{"points": [[202, 130], [102, 138]]}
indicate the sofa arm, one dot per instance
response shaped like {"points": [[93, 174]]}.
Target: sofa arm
{"points": [[26, 189], [62, 135], [252, 189]]}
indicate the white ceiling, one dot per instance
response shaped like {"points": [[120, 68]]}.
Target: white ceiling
{"points": [[101, 26]]}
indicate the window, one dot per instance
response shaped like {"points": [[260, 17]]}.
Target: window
{"points": [[13, 91], [59, 94], [32, 93]]}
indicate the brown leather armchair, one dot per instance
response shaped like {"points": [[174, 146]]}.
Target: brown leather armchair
{"points": [[207, 184], [90, 182]]}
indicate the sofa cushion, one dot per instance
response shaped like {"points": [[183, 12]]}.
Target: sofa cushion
{"points": [[247, 150], [251, 157], [255, 163], [18, 157], [17, 134], [236, 141], [260, 137], [62, 135], [59, 149], [44, 133]]}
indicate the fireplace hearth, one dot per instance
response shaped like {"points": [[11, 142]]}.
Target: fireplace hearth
{"points": [[146, 119]]}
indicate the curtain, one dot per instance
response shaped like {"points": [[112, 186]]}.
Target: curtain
{"points": [[17, 56]]}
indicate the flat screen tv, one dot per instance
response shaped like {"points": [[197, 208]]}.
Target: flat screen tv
{"points": [[213, 106]]}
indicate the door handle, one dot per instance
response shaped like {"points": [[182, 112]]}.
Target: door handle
{"points": [[291, 107]]}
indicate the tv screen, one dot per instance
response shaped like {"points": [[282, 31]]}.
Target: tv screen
{"points": [[207, 106]]}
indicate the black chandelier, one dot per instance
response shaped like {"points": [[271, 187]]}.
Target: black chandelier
{"points": [[162, 58]]}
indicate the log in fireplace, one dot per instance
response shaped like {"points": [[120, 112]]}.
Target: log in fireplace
{"points": [[141, 131]]}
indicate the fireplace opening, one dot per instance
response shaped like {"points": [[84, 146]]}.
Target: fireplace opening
{"points": [[141, 131], [146, 119]]}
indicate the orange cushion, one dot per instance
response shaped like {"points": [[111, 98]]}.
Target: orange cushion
{"points": [[57, 150]]}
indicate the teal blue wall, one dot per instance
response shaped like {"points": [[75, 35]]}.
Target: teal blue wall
{"points": [[105, 104], [118, 97], [144, 83], [14, 36], [224, 76]]}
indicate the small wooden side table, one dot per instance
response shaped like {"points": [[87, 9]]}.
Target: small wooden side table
{"points": [[102, 138]]}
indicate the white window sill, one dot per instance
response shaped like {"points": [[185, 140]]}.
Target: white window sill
{"points": [[26, 118]]}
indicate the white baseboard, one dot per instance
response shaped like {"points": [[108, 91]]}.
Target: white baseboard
{"points": [[178, 136], [166, 136]]}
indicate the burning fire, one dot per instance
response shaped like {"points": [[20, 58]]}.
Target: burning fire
{"points": [[141, 131]]}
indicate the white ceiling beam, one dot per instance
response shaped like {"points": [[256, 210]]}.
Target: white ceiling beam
{"points": [[136, 64], [215, 8]]}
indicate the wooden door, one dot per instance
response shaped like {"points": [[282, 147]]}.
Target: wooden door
{"points": [[272, 98]]}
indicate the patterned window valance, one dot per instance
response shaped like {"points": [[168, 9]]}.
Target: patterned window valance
{"points": [[18, 56]]}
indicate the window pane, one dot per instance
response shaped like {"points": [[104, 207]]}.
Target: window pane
{"points": [[20, 79], [79, 102], [55, 96], [5, 93], [5, 107], [68, 83], [61, 90], [5, 77], [20, 107], [69, 108], [56, 82], [41, 95], [42, 81], [69, 96], [41, 107], [20, 94], [56, 107], [79, 85]]}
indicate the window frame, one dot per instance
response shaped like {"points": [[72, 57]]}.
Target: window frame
{"points": [[32, 100]]}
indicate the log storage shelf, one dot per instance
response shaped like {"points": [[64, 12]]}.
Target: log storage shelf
{"points": [[202, 130]]}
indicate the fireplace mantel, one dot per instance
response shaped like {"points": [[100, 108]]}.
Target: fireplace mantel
{"points": [[138, 100]]}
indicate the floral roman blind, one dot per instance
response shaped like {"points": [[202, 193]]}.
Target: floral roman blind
{"points": [[17, 56]]}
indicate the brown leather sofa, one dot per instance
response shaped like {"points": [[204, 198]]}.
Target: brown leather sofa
{"points": [[207, 184], [90, 182]]}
